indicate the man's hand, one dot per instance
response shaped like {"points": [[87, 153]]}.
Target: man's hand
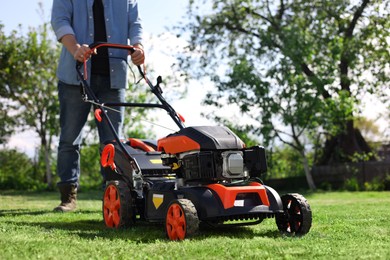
{"points": [[138, 56], [82, 52], [78, 51]]}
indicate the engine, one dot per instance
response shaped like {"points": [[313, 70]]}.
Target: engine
{"points": [[211, 153]]}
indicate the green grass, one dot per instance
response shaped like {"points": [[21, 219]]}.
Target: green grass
{"points": [[346, 225]]}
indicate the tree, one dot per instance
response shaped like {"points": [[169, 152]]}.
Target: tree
{"points": [[28, 86], [296, 68]]}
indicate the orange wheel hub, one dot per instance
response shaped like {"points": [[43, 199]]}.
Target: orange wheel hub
{"points": [[176, 222], [111, 207]]}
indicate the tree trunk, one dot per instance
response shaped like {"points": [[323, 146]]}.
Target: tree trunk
{"points": [[49, 175], [309, 177], [46, 153]]}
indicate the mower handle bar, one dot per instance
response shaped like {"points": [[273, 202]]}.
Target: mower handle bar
{"points": [[87, 91], [96, 45], [156, 90]]}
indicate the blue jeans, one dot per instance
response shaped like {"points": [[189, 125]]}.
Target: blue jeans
{"points": [[73, 116]]}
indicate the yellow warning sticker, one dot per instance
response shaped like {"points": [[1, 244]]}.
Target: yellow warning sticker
{"points": [[158, 200], [156, 161]]}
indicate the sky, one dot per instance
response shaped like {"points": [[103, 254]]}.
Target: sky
{"points": [[156, 14]]}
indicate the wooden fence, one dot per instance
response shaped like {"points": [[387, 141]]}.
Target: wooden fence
{"points": [[336, 175]]}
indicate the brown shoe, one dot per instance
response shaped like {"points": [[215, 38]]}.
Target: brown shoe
{"points": [[68, 198]]}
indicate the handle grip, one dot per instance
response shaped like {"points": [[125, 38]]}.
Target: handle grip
{"points": [[96, 45]]}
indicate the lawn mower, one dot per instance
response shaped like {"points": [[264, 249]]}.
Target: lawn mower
{"points": [[198, 174]]}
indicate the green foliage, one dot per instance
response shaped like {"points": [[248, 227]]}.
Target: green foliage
{"points": [[361, 157], [284, 162], [352, 184], [28, 80], [337, 111], [325, 186], [375, 185], [90, 167], [28, 86], [18, 172]]}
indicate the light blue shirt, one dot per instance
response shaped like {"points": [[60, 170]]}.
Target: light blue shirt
{"points": [[123, 26]]}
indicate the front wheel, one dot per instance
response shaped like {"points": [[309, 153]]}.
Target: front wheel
{"points": [[118, 210], [297, 216], [181, 220]]}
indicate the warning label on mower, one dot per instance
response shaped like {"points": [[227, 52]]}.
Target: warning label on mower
{"points": [[239, 203], [156, 161], [158, 200]]}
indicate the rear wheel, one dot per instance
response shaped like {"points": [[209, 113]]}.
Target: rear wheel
{"points": [[297, 216], [181, 219], [118, 210]]}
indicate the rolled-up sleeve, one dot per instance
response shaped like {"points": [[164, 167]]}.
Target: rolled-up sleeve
{"points": [[61, 15]]}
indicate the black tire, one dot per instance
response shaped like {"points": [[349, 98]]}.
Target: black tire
{"points": [[181, 220], [118, 206], [297, 216]]}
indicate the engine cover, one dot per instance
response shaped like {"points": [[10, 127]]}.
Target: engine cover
{"points": [[200, 138], [210, 153]]}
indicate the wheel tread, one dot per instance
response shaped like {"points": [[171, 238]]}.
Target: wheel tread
{"points": [[282, 220], [190, 215]]}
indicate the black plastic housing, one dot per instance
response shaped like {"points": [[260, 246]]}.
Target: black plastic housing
{"points": [[255, 161]]}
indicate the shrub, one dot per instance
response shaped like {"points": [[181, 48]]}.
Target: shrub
{"points": [[351, 184], [90, 177], [325, 186], [375, 185], [18, 171], [284, 162]]}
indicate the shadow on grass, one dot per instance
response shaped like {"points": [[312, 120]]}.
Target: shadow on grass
{"points": [[88, 227], [140, 232], [29, 212], [21, 212], [51, 195], [93, 229], [240, 232]]}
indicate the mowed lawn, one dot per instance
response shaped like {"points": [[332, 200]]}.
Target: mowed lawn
{"points": [[346, 225]]}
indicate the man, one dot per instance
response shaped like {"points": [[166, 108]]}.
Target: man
{"points": [[76, 25]]}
